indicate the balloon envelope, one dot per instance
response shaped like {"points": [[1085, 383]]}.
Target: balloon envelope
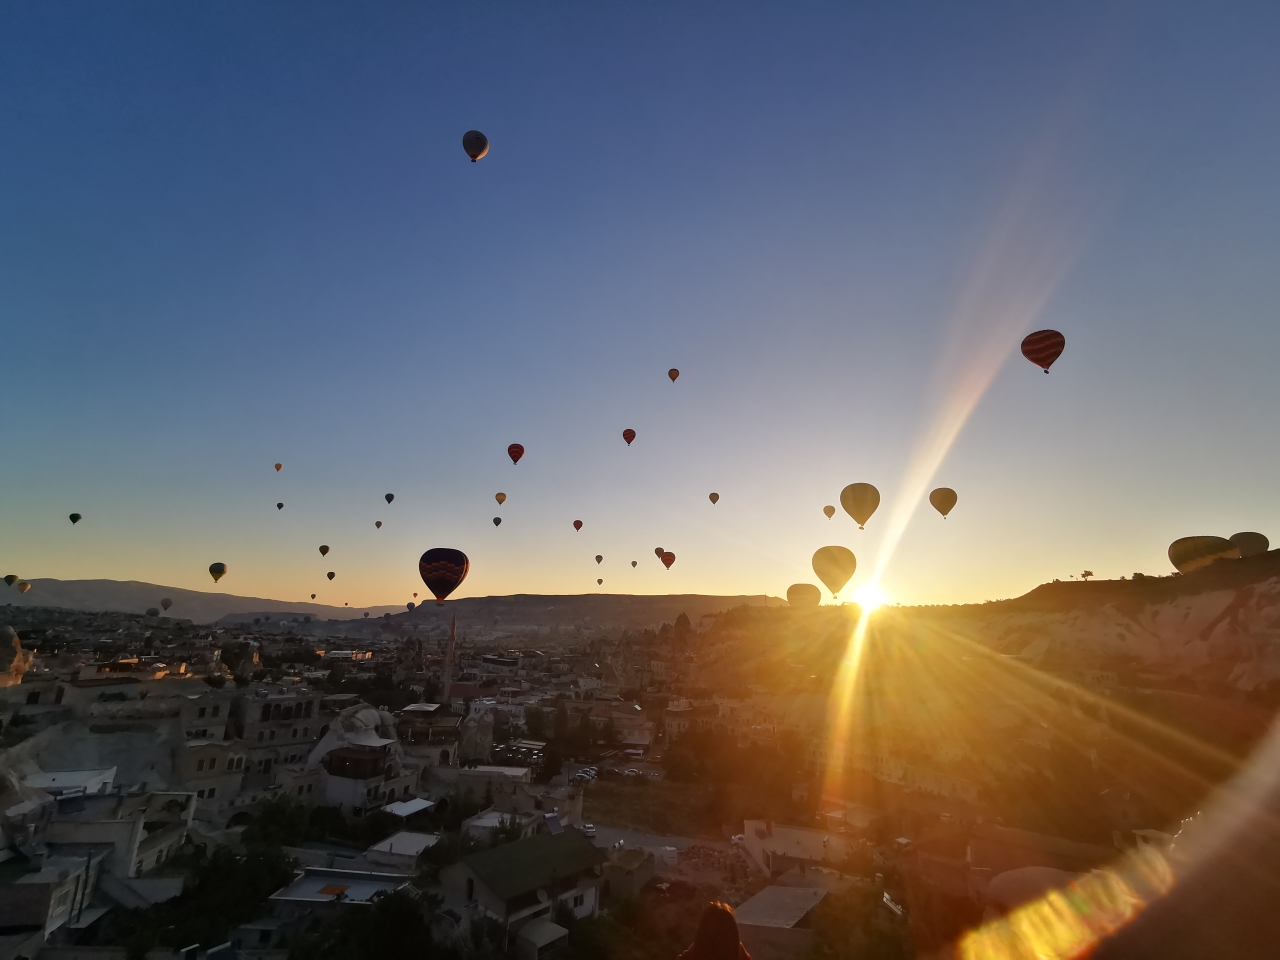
{"points": [[599, 558], [515, 452], [673, 373], [501, 498], [410, 605], [829, 510], [166, 603], [378, 524], [330, 574], [714, 497], [324, 549], [803, 595], [23, 586], [834, 566], [668, 558], [497, 521], [1250, 544], [860, 501], [476, 144], [598, 582], [634, 562], [278, 467], [1043, 347], [943, 499], [153, 611], [442, 569], [313, 596], [577, 524], [74, 518], [628, 435], [10, 579], [217, 571], [658, 552], [1191, 553], [390, 497]]}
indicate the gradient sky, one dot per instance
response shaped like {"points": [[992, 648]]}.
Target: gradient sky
{"points": [[233, 234]]}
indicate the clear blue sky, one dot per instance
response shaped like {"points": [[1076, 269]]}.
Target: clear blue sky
{"points": [[233, 234]]}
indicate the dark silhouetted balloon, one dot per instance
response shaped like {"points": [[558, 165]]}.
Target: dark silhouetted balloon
{"points": [[577, 524], [442, 569], [860, 501], [1043, 347], [217, 571], [829, 510], [378, 524], [1250, 544], [658, 552], [668, 558], [599, 558], [330, 574], [410, 605], [943, 499], [74, 518], [476, 144], [501, 498], [279, 467], [515, 452], [415, 594], [497, 521], [390, 497], [166, 603], [10, 579], [153, 611], [628, 435], [324, 549], [598, 582], [313, 596], [634, 562], [714, 497], [834, 566], [23, 586], [366, 614], [1191, 553], [673, 373], [803, 595]]}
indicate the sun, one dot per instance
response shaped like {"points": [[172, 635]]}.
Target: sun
{"points": [[870, 595]]}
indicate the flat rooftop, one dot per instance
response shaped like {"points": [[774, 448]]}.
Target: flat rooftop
{"points": [[779, 906]]}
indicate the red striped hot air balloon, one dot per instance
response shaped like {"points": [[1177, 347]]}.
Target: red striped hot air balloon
{"points": [[628, 435], [668, 559], [1043, 347], [577, 524], [515, 452]]}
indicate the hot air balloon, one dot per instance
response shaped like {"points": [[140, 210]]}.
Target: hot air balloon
{"points": [[153, 611], [714, 497], [599, 558], [1192, 553], [515, 452], [330, 574], [366, 614], [1250, 544], [390, 497], [74, 518], [599, 582], [378, 524], [166, 603], [943, 499], [634, 562], [324, 549], [497, 521], [658, 552], [577, 524], [10, 579], [313, 596], [829, 510], [668, 559], [415, 594], [834, 566], [673, 373], [1043, 347], [442, 569], [23, 586], [476, 144], [860, 501], [410, 605], [628, 435], [501, 498], [279, 467], [217, 571], [803, 595]]}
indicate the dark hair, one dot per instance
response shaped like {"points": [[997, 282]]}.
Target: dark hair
{"points": [[717, 936]]}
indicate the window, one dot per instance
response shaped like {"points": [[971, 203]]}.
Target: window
{"points": [[211, 792], [261, 734], [216, 708], [306, 731], [306, 710], [308, 788], [471, 889], [33, 697], [200, 794], [579, 900], [213, 763], [266, 711], [57, 697], [201, 712], [299, 790], [199, 765], [273, 734], [295, 733]]}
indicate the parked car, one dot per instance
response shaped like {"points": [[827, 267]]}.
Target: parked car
{"points": [[631, 772], [589, 829]]}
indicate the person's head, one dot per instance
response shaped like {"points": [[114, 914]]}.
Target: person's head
{"points": [[717, 936]]}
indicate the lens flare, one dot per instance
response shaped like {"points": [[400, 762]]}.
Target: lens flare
{"points": [[869, 596]]}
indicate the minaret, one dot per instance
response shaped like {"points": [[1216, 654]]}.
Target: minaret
{"points": [[448, 662]]}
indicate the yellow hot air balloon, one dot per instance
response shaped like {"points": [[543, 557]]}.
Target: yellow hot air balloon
{"points": [[943, 499], [803, 595], [860, 501], [1192, 553], [23, 586], [501, 498], [829, 510], [1251, 544], [834, 566]]}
